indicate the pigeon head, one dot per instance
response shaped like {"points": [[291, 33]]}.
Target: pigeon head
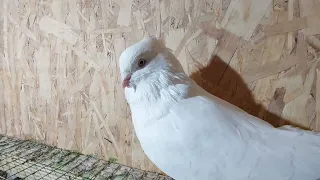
{"points": [[144, 61], [152, 77]]}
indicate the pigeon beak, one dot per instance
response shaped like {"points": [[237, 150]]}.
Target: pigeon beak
{"points": [[126, 81]]}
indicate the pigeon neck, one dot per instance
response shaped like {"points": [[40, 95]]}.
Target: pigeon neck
{"points": [[152, 100]]}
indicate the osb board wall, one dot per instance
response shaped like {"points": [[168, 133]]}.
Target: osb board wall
{"points": [[60, 77]]}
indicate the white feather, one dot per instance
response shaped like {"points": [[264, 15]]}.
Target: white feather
{"points": [[191, 134]]}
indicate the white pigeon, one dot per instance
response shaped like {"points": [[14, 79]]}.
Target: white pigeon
{"points": [[192, 135]]}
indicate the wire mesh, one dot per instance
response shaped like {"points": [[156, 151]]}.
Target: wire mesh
{"points": [[30, 160]]}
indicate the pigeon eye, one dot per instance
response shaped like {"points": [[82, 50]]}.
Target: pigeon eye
{"points": [[142, 62]]}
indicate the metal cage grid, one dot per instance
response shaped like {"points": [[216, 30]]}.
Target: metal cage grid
{"points": [[31, 160]]}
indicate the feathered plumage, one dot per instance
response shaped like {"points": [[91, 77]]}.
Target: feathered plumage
{"points": [[191, 134]]}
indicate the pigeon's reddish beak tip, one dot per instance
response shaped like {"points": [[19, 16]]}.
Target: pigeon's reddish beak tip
{"points": [[126, 81]]}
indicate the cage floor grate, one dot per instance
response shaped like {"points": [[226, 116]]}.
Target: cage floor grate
{"points": [[31, 160]]}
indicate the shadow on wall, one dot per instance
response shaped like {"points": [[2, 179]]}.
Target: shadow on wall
{"points": [[232, 89]]}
